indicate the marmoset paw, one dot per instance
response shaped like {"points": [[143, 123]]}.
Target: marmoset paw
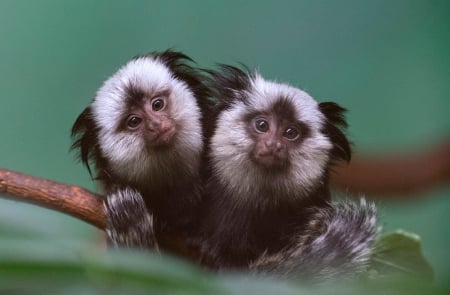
{"points": [[129, 223]]}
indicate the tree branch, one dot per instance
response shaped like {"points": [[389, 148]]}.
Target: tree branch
{"points": [[400, 174], [75, 201], [72, 200]]}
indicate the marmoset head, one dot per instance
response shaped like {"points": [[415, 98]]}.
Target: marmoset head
{"points": [[145, 119], [269, 134]]}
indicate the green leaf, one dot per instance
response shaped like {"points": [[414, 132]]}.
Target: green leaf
{"points": [[399, 253], [36, 268], [42, 267]]}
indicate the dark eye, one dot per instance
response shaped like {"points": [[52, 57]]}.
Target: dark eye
{"points": [[157, 104], [261, 125], [133, 122], [291, 133]]}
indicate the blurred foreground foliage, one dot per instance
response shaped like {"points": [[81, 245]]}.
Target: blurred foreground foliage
{"points": [[36, 258], [38, 268]]}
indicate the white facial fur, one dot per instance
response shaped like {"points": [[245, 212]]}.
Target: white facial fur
{"points": [[231, 144], [126, 151]]}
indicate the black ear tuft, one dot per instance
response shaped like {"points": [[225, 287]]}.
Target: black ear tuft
{"points": [[172, 58], [334, 128], [85, 137], [231, 77], [228, 82], [180, 66]]}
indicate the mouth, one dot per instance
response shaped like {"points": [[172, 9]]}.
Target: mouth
{"points": [[269, 161], [266, 160], [164, 137]]}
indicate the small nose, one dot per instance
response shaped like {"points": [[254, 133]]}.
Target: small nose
{"points": [[164, 125], [153, 125], [274, 145]]}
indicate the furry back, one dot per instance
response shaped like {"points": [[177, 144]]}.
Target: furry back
{"points": [[337, 244]]}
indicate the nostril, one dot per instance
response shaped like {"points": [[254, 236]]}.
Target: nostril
{"points": [[278, 146], [274, 145], [165, 126], [270, 144]]}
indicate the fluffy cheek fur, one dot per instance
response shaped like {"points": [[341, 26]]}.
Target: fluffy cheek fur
{"points": [[126, 154], [187, 115]]}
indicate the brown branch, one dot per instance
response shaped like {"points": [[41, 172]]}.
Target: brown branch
{"points": [[401, 174], [75, 201], [72, 200]]}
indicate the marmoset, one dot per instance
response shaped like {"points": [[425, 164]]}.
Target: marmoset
{"points": [[143, 132], [267, 198]]}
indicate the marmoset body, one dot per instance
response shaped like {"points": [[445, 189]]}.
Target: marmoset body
{"points": [[267, 198], [143, 132]]}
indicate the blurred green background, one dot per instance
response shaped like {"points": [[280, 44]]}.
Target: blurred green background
{"points": [[388, 62]]}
